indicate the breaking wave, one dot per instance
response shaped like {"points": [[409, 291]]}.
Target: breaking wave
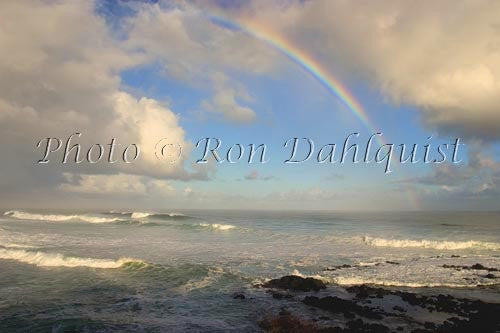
{"points": [[143, 215], [428, 244], [139, 215], [217, 226], [60, 217], [58, 260]]}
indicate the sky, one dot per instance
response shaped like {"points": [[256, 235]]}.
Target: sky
{"points": [[249, 72]]}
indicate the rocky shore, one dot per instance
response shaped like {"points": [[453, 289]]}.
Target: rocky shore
{"points": [[310, 305]]}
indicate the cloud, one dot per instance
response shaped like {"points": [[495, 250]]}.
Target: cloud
{"points": [[146, 122], [475, 185], [119, 184], [312, 194], [255, 175], [225, 101], [443, 58], [196, 49], [59, 74]]}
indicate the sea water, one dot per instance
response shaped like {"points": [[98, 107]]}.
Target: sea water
{"points": [[176, 271]]}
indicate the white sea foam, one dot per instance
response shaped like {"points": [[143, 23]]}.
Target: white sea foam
{"points": [[315, 276], [213, 275], [349, 281], [60, 217], [174, 214], [58, 260], [418, 272], [15, 245], [139, 215], [430, 244], [217, 226]]}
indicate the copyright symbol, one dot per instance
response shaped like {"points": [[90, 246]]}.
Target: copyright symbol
{"points": [[165, 151]]}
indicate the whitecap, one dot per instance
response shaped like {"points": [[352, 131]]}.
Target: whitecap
{"points": [[60, 217], [430, 244], [58, 260], [217, 226]]}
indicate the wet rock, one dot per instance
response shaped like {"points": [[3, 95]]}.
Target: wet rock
{"points": [[296, 283], [364, 291], [348, 308], [399, 309], [430, 326], [239, 296], [360, 326], [478, 267], [278, 295], [285, 322], [334, 268]]}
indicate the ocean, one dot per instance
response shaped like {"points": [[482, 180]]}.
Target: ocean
{"points": [[179, 271]]}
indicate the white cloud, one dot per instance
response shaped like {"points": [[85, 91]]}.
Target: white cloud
{"points": [[59, 74], [147, 122], [118, 184], [225, 101], [194, 48], [255, 175], [443, 57]]}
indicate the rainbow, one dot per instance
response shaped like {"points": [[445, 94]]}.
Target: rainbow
{"points": [[311, 66], [304, 60]]}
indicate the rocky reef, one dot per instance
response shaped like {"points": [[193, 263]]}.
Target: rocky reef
{"points": [[310, 305]]}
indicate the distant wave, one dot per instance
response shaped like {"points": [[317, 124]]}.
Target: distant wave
{"points": [[60, 217], [15, 245], [428, 244], [59, 260], [143, 215], [217, 226]]}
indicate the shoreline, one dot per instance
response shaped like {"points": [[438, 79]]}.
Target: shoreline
{"points": [[310, 305]]}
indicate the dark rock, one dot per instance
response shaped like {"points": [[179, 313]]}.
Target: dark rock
{"points": [[136, 307], [478, 267], [364, 291], [286, 322], [338, 305], [360, 326], [430, 325], [334, 268], [278, 295], [398, 308], [239, 296], [296, 283], [478, 316]]}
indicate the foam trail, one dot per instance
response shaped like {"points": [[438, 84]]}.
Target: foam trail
{"points": [[58, 260], [59, 217], [429, 244]]}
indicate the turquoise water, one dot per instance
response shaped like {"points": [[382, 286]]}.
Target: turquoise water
{"points": [[177, 271]]}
